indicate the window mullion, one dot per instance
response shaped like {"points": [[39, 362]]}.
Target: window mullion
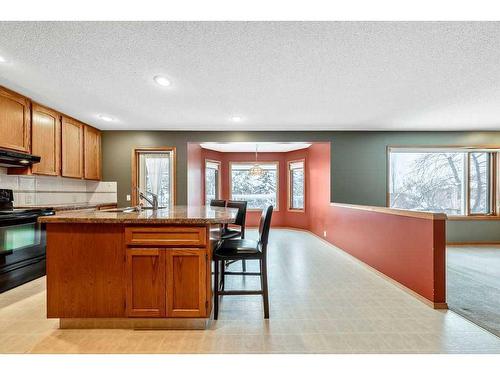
{"points": [[493, 182], [467, 185]]}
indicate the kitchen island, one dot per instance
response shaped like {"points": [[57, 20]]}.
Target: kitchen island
{"points": [[139, 269]]}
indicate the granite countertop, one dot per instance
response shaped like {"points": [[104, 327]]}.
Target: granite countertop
{"points": [[176, 215], [68, 206]]}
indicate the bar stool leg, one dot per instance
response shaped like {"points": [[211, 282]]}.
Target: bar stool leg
{"points": [[263, 279], [216, 289], [222, 275]]}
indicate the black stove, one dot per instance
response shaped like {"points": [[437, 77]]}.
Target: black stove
{"points": [[22, 242]]}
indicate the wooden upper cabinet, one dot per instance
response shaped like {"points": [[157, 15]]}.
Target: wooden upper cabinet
{"points": [[14, 121], [46, 140], [71, 148], [92, 152]]}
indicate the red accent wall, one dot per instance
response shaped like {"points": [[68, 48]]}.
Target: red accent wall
{"points": [[407, 249]]}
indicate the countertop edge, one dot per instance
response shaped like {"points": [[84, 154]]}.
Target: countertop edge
{"points": [[148, 221], [67, 207]]}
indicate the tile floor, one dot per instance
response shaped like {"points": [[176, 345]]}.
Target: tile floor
{"points": [[321, 301]]}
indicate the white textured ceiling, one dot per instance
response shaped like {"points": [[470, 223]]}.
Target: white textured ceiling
{"points": [[252, 146], [274, 75]]}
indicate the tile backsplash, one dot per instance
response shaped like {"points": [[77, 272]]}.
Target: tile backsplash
{"points": [[46, 190]]}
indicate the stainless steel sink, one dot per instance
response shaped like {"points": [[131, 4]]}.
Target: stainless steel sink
{"points": [[130, 209], [123, 209]]}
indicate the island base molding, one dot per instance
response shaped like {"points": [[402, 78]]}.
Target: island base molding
{"points": [[134, 323]]}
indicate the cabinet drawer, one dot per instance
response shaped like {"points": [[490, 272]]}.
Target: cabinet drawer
{"points": [[166, 236]]}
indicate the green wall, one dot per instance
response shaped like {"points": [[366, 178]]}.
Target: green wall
{"points": [[358, 163]]}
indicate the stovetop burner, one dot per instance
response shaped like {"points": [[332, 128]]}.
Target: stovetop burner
{"points": [[6, 207]]}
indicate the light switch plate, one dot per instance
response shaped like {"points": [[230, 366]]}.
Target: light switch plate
{"points": [[324, 233], [128, 197]]}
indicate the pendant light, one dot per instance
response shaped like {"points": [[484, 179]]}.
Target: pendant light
{"points": [[256, 170]]}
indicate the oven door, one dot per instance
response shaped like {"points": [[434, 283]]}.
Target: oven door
{"points": [[22, 249]]}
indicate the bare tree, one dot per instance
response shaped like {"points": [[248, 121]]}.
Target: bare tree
{"points": [[435, 182]]}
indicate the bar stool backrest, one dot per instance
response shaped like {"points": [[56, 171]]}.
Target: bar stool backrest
{"points": [[242, 212], [218, 203], [264, 226]]}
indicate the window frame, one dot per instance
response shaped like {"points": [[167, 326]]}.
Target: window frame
{"points": [[219, 179], [136, 152], [230, 177], [289, 185], [493, 177]]}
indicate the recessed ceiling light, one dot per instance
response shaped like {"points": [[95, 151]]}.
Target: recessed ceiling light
{"points": [[2, 59], [236, 118], [105, 118], [162, 81]]}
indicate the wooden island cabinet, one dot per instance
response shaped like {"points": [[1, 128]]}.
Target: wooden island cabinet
{"points": [[166, 281], [147, 264]]}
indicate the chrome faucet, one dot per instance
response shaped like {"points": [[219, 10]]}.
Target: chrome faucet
{"points": [[153, 202]]}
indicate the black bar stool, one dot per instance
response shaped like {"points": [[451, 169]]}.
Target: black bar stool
{"points": [[218, 203], [240, 249], [228, 233]]}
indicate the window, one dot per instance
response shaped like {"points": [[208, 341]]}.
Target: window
{"points": [[212, 181], [154, 173], [259, 191], [453, 181], [296, 185]]}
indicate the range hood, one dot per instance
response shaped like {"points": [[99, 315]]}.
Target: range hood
{"points": [[17, 159]]}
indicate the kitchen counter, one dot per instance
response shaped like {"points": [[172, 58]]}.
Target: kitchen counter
{"points": [[109, 269], [175, 215], [70, 206]]}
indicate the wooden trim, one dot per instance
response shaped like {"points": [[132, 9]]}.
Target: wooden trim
{"points": [[230, 193], [472, 217], [135, 169], [219, 178], [393, 211], [472, 243], [289, 185], [493, 147]]}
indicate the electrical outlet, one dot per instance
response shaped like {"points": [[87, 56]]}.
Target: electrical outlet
{"points": [[128, 198], [324, 233]]}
